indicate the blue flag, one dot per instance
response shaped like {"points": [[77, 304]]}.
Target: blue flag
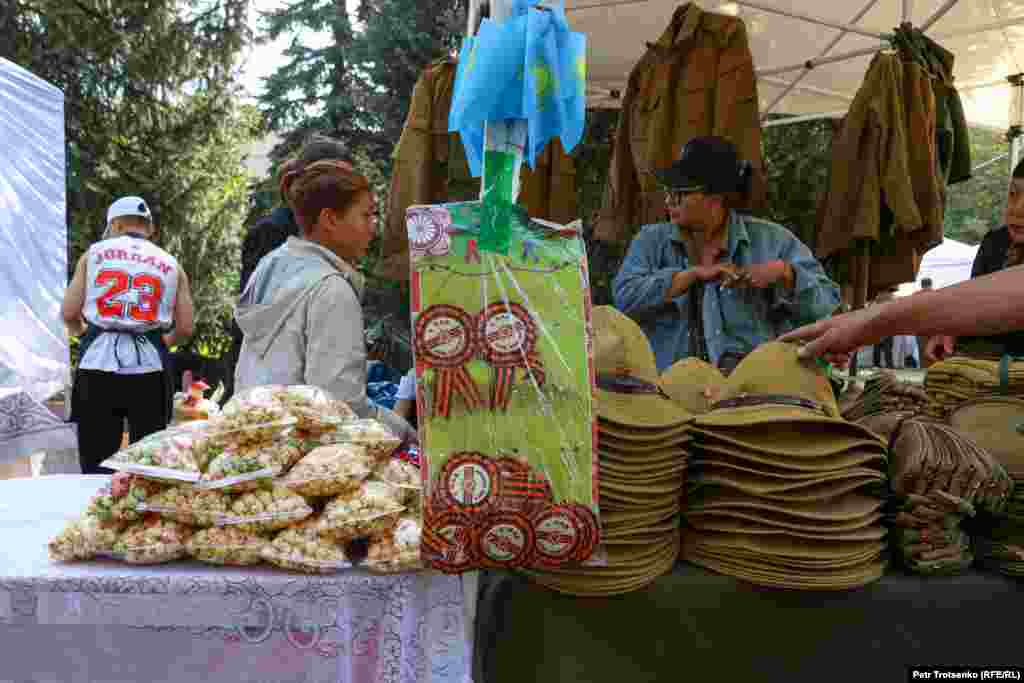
{"points": [[530, 66]]}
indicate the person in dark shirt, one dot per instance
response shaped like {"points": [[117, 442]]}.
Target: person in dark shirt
{"points": [[274, 229], [1001, 248]]}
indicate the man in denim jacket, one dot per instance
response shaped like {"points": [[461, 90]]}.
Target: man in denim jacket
{"points": [[715, 283]]}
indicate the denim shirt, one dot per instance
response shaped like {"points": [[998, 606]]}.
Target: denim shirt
{"points": [[735, 320]]}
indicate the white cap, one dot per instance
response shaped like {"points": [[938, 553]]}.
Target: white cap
{"points": [[129, 206]]}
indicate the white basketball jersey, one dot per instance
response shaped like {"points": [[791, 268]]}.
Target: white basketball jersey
{"points": [[131, 287]]}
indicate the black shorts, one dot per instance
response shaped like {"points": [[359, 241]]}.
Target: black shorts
{"points": [[101, 402]]}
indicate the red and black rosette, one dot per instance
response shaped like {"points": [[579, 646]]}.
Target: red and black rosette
{"points": [[523, 489], [445, 342], [449, 542], [591, 531], [560, 533], [506, 540], [469, 483], [507, 339]]}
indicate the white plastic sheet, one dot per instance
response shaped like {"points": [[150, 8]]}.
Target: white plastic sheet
{"points": [[33, 234]]}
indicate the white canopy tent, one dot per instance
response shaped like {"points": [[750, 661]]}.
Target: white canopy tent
{"points": [[946, 264], [34, 362], [837, 38]]}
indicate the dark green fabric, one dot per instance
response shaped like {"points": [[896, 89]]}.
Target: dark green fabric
{"points": [[693, 625]]}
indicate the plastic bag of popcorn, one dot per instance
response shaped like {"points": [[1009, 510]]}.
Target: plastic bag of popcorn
{"points": [[154, 540], [396, 551], [372, 509], [379, 441], [329, 471], [83, 539], [302, 548], [227, 545], [189, 505], [267, 510], [119, 500]]}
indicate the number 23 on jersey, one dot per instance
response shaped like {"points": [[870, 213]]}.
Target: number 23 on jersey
{"points": [[146, 290]]}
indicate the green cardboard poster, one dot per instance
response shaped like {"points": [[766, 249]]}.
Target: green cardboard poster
{"points": [[504, 391]]}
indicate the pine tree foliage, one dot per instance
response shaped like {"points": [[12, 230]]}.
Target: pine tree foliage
{"points": [[152, 108]]}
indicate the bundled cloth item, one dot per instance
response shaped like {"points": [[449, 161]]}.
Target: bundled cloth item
{"points": [[961, 379], [783, 491], [642, 453], [247, 487], [939, 478], [995, 424], [884, 393]]}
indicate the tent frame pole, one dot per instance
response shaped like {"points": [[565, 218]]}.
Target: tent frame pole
{"points": [[835, 41], [806, 17], [939, 13], [908, 9], [805, 117], [812, 63], [809, 88]]}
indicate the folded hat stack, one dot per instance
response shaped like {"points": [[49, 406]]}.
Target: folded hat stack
{"points": [[961, 379], [939, 478], [642, 453], [784, 492], [995, 423], [885, 393]]}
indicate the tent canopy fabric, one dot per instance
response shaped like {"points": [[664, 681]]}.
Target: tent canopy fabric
{"points": [[946, 264], [984, 35], [33, 235]]}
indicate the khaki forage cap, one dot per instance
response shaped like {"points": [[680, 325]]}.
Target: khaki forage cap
{"points": [[782, 521], [686, 383], [835, 510], [627, 376], [808, 440], [773, 385], [871, 456]]}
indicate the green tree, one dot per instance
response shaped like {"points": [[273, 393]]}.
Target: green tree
{"points": [[152, 109], [976, 206], [357, 87]]}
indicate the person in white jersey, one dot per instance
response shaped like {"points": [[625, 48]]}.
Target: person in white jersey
{"points": [[129, 300]]}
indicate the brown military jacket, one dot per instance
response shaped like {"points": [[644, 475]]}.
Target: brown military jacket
{"points": [[429, 167], [885, 199], [697, 79]]}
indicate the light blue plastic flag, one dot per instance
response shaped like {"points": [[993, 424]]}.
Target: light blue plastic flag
{"points": [[531, 66]]}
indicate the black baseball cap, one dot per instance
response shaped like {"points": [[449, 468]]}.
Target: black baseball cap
{"points": [[706, 164]]}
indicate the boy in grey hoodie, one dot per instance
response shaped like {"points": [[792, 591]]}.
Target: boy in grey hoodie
{"points": [[300, 312]]}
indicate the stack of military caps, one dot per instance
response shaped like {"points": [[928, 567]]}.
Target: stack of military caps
{"points": [[885, 393], [783, 491], [939, 478], [642, 453], [693, 384], [995, 423], [961, 379]]}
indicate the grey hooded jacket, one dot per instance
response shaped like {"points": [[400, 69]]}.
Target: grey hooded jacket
{"points": [[303, 324]]}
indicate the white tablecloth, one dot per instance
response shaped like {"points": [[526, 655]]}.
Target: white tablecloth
{"points": [[28, 426], [103, 622]]}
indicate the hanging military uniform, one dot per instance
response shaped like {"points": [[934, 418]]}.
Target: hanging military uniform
{"points": [[904, 140], [429, 167], [696, 80]]}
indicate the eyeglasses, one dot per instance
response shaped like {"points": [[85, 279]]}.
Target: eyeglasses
{"points": [[677, 197]]}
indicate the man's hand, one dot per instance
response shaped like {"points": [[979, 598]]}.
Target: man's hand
{"points": [[835, 339], [764, 275], [709, 273], [939, 347]]}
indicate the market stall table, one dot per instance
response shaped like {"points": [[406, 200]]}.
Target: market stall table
{"points": [[695, 625], [103, 622]]}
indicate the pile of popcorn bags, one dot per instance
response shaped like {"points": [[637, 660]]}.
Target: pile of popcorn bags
{"points": [[283, 475]]}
